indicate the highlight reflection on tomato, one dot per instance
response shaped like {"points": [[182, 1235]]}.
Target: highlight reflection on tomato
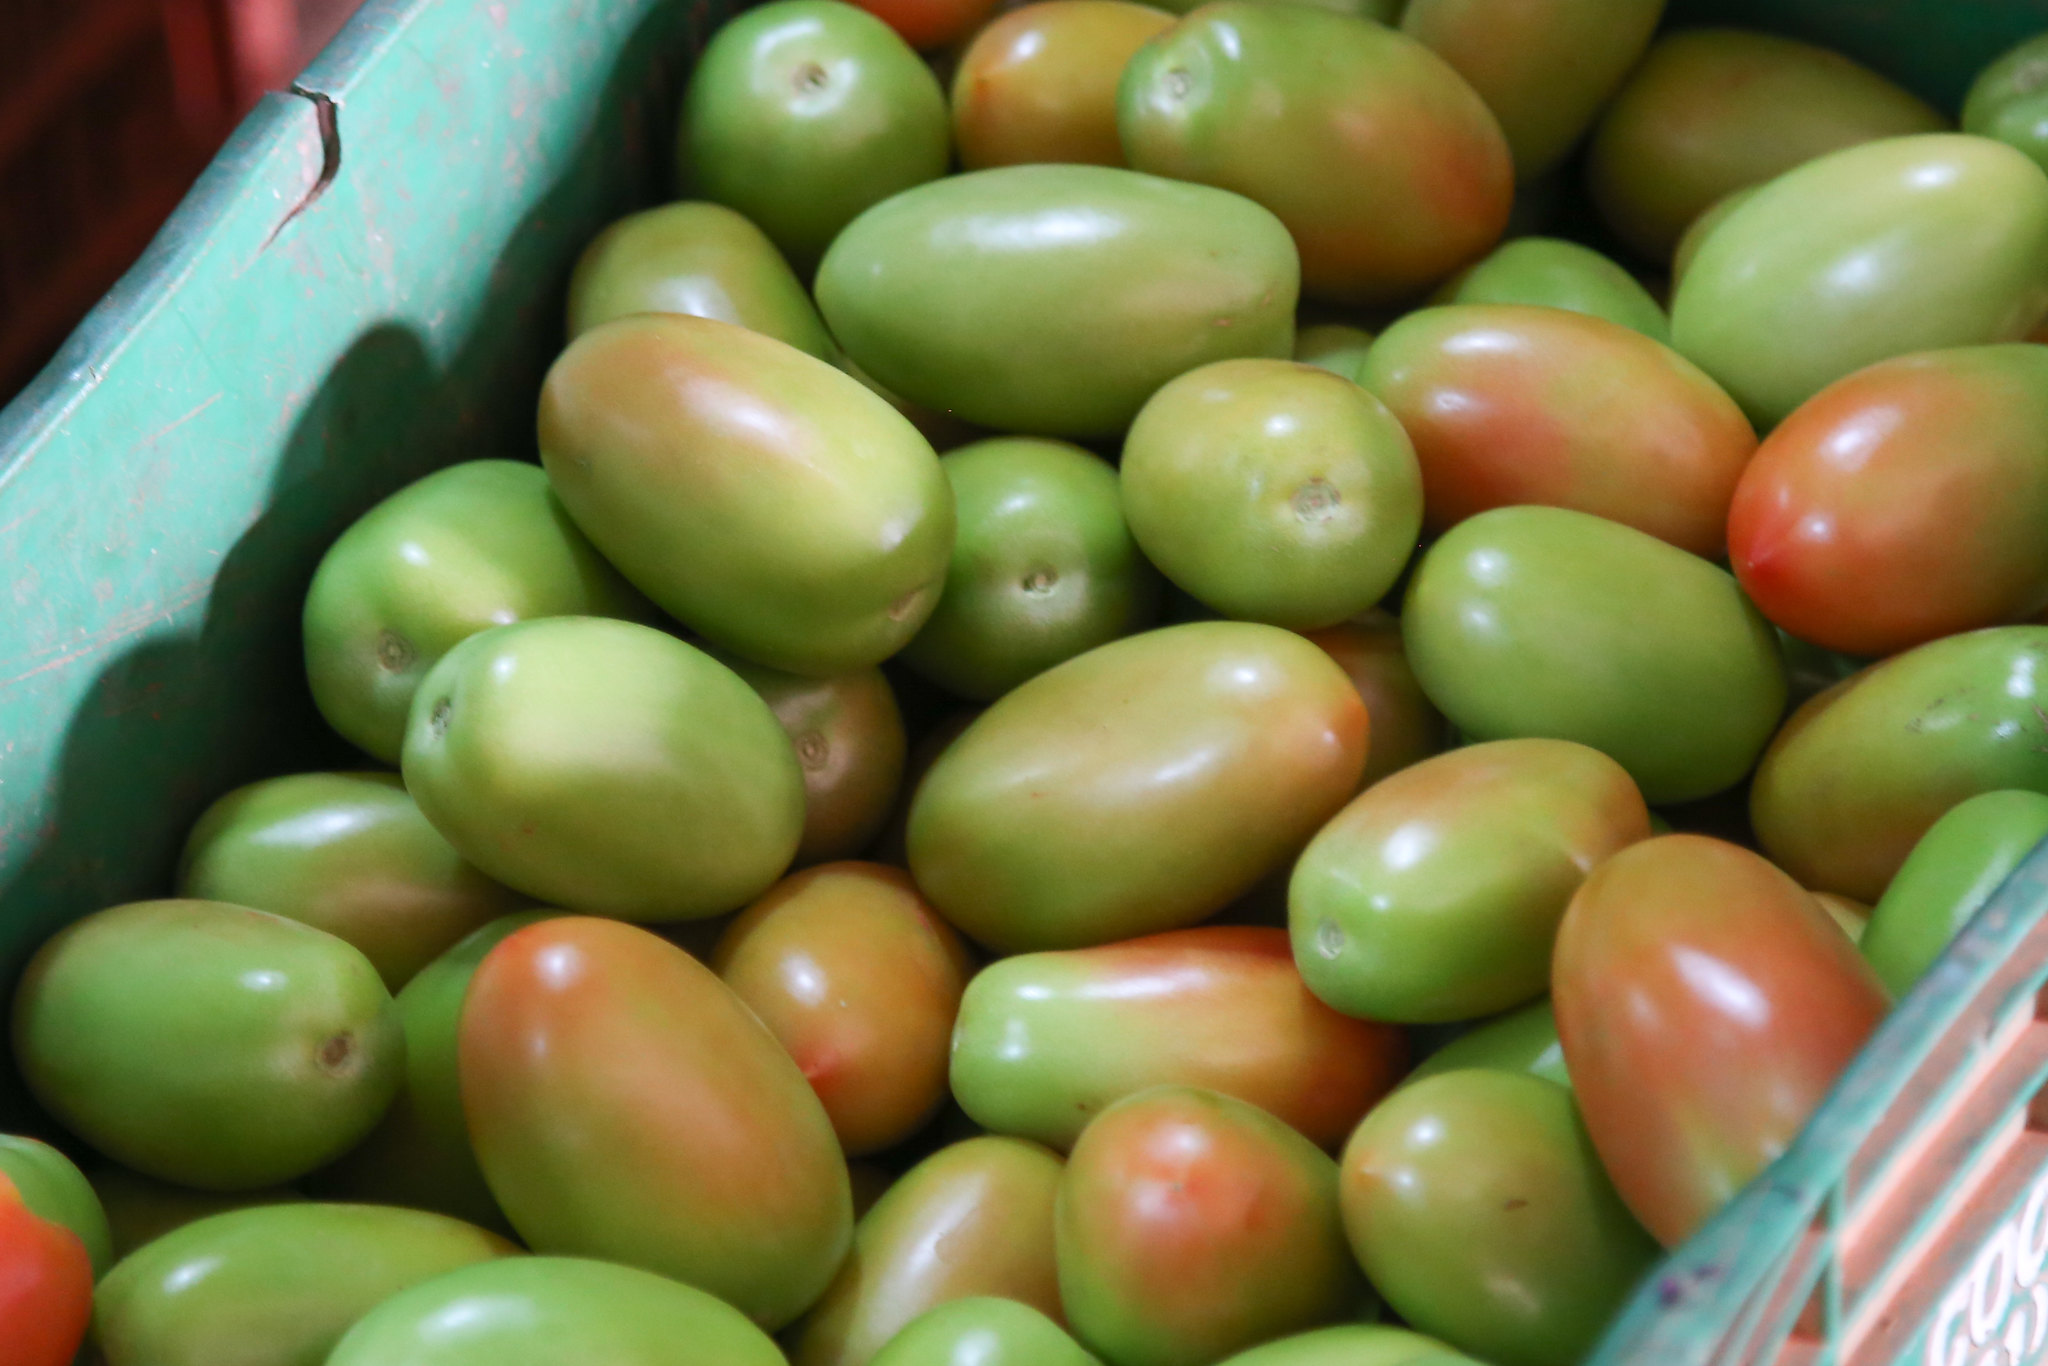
{"points": [[1706, 1004]]}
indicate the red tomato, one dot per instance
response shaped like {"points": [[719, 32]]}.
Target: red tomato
{"points": [[1903, 503], [45, 1286], [931, 23], [1706, 1003]]}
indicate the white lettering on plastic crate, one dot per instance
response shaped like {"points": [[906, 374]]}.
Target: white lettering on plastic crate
{"points": [[1996, 1313]]}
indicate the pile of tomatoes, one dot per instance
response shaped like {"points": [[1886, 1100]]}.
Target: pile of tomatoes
{"points": [[1476, 626]]}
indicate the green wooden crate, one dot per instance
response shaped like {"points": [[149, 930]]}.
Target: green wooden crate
{"points": [[366, 285]]}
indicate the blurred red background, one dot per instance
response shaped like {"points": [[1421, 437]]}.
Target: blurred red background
{"points": [[108, 111]]}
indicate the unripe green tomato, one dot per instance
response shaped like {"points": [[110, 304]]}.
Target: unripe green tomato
{"points": [[1553, 273], [1476, 1203], [1948, 877], [1337, 347], [802, 113], [541, 1311], [1523, 1040], [606, 766], [1272, 491], [1526, 621], [988, 1202], [1435, 895], [1352, 1344], [1906, 244], [467, 548], [2009, 100], [983, 1332], [765, 499], [1043, 567], [208, 1044], [273, 1285], [348, 853], [419, 1155], [697, 258], [53, 1188], [1709, 111], [1544, 68]]}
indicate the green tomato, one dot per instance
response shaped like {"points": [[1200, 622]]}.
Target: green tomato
{"points": [[55, 1189], [1527, 621], [1435, 895], [606, 766], [348, 853], [1477, 1205], [802, 113], [848, 735], [1698, 231], [141, 1210], [420, 1155], [1544, 69], [1709, 111], [1352, 1344], [768, 500], [1523, 1040], [1908, 244], [987, 1201], [1141, 786], [544, 1311], [1337, 347], [2009, 100], [696, 258], [1951, 873], [1554, 273], [1327, 122], [207, 1044], [1055, 299], [1191, 1225], [983, 1331], [1865, 769], [1273, 491], [1043, 567], [466, 548], [274, 1285]]}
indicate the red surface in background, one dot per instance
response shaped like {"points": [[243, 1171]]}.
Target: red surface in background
{"points": [[109, 109]]}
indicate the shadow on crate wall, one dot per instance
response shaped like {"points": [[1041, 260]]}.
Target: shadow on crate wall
{"points": [[175, 720]]}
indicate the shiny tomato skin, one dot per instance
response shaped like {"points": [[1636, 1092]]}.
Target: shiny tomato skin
{"points": [[1902, 503], [1706, 1004]]}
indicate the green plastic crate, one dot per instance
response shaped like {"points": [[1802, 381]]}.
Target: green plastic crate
{"points": [[366, 285]]}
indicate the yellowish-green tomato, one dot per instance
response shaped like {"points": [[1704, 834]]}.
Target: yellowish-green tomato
{"points": [[348, 853], [606, 766], [272, 1285], [1907, 244], [1523, 1040], [1543, 68], [206, 1044], [1951, 873], [1696, 232], [1053, 300], [767, 500], [1337, 347], [1554, 273], [1709, 111], [698, 258], [2009, 100], [1273, 491], [1353, 1344], [1526, 621], [1476, 1203], [469, 547], [1043, 567], [983, 1332], [802, 113], [544, 1311]]}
